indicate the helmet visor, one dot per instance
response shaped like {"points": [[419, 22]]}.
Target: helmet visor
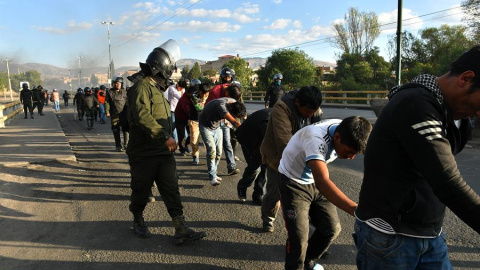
{"points": [[173, 50]]}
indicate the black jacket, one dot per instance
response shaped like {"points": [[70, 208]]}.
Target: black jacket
{"points": [[410, 170], [274, 92], [252, 131]]}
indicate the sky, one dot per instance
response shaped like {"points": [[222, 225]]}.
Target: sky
{"points": [[58, 32]]}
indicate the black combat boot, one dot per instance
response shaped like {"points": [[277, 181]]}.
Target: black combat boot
{"points": [[118, 141], [139, 227], [25, 116], [183, 233], [31, 115]]}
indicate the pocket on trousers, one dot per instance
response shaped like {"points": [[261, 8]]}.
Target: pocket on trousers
{"points": [[382, 245]]}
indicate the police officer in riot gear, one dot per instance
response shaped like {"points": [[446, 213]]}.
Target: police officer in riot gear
{"points": [[275, 91], [78, 100], [26, 98], [90, 105], [151, 146], [115, 107]]}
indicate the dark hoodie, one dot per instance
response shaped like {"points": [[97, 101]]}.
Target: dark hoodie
{"points": [[410, 171]]}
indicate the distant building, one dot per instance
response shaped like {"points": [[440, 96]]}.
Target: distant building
{"points": [[217, 64]]}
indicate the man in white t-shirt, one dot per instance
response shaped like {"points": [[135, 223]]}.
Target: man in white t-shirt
{"points": [[308, 194]]}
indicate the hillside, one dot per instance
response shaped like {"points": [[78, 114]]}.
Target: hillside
{"points": [[54, 72]]}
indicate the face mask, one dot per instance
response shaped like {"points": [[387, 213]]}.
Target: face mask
{"points": [[278, 82]]}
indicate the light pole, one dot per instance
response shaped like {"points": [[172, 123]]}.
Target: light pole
{"points": [[80, 71], [8, 76], [110, 71]]}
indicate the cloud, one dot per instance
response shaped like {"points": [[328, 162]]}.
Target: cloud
{"points": [[141, 36], [388, 21], [199, 26], [278, 24], [71, 27], [253, 44], [297, 24], [199, 13], [277, 1], [246, 14]]}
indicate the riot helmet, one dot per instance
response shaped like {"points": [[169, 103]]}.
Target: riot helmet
{"points": [[88, 91], [102, 87], [25, 85], [39, 87], [79, 90], [195, 82], [278, 76], [225, 73], [161, 61]]}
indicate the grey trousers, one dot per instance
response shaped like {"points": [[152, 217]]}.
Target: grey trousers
{"points": [[271, 199]]}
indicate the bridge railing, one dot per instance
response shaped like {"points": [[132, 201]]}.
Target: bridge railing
{"points": [[8, 111], [333, 96]]}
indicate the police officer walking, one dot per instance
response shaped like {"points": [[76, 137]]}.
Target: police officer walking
{"points": [[115, 106], [275, 91], [26, 98], [151, 147]]}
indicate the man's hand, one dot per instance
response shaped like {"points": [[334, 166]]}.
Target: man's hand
{"points": [[171, 144], [108, 115]]}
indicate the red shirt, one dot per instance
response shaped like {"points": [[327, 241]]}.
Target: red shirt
{"points": [[183, 108], [216, 92]]}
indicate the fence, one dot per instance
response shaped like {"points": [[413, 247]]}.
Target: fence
{"points": [[331, 96], [8, 111]]}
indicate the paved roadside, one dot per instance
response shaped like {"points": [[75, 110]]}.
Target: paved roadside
{"points": [[27, 141]]}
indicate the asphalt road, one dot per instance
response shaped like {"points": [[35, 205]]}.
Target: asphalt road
{"points": [[74, 215]]}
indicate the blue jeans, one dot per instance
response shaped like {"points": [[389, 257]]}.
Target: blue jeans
{"points": [[174, 129], [227, 145], [213, 142], [101, 108], [57, 105], [377, 250]]}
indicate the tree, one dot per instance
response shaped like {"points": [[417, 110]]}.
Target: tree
{"points": [[185, 71], [357, 33], [472, 15], [209, 72], [243, 73], [368, 71], [195, 72], [431, 52], [32, 76], [295, 65]]}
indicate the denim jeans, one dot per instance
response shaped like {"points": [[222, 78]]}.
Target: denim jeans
{"points": [[57, 105], [302, 205], [213, 143], [101, 108], [227, 145], [174, 128], [377, 250]]}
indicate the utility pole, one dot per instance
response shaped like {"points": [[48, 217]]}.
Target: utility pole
{"points": [[8, 76], [398, 70], [110, 66], [80, 71]]}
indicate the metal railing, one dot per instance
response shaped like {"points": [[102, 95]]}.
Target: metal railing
{"points": [[8, 111], [330, 96]]}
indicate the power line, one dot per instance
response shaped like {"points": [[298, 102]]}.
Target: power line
{"points": [[158, 25], [326, 39]]}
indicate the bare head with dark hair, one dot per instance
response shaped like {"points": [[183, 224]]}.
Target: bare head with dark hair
{"points": [[469, 60], [234, 91], [460, 86], [353, 132], [308, 100], [237, 109]]}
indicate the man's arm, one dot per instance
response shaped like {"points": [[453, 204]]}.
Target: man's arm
{"points": [[328, 188], [232, 120]]}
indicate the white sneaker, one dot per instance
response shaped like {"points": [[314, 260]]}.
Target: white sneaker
{"points": [[214, 182]]}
